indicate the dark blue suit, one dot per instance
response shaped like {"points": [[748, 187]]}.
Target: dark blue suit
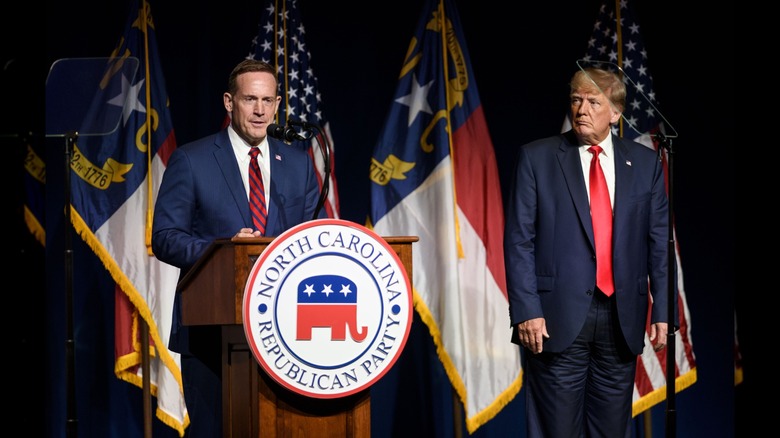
{"points": [[551, 263], [202, 198]]}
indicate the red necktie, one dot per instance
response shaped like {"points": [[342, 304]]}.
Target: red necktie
{"points": [[257, 192], [601, 215]]}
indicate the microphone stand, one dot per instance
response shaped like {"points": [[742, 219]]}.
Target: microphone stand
{"points": [[324, 146], [70, 361], [665, 144], [325, 150]]}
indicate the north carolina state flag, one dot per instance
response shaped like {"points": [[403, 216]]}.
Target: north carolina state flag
{"points": [[434, 175]]}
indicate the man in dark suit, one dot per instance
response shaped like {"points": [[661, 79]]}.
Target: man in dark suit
{"points": [[204, 195], [581, 341]]}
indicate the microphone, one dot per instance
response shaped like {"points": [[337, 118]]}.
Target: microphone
{"points": [[285, 133]]}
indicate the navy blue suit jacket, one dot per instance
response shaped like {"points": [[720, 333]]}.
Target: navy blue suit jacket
{"points": [[202, 198], [549, 251]]}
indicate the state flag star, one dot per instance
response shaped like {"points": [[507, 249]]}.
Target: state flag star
{"points": [[417, 99], [128, 99]]}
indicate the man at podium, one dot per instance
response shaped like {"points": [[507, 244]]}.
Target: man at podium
{"points": [[205, 195]]}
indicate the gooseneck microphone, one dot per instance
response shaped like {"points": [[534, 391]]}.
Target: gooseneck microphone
{"points": [[285, 133]]}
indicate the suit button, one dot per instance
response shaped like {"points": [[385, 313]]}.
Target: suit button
{"points": [[589, 292]]}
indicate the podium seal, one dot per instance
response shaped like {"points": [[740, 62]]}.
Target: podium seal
{"points": [[327, 308]]}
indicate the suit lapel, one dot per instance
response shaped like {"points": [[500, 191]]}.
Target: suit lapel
{"points": [[277, 164], [569, 158], [226, 161], [624, 180]]}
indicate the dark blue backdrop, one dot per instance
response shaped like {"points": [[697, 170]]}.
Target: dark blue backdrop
{"points": [[522, 62]]}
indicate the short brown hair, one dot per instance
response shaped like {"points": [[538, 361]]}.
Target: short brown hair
{"points": [[246, 66]]}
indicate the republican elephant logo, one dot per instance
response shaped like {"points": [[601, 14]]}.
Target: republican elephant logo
{"points": [[328, 301]]}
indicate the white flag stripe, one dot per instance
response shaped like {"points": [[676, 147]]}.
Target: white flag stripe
{"points": [[152, 289], [462, 305]]}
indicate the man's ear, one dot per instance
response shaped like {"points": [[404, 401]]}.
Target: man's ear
{"points": [[227, 100]]}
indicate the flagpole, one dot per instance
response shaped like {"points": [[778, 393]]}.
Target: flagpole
{"points": [[144, 325], [147, 381], [665, 144], [457, 418]]}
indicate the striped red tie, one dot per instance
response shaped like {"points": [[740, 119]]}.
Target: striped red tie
{"points": [[257, 192], [601, 215]]}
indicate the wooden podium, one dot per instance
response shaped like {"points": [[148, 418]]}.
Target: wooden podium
{"points": [[253, 404]]}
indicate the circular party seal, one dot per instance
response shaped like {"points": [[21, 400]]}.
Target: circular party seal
{"points": [[327, 308]]}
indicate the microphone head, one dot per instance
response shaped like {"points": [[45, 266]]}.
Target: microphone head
{"points": [[285, 133], [275, 131]]}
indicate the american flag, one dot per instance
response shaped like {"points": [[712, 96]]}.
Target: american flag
{"points": [[641, 118], [616, 42], [280, 42]]}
